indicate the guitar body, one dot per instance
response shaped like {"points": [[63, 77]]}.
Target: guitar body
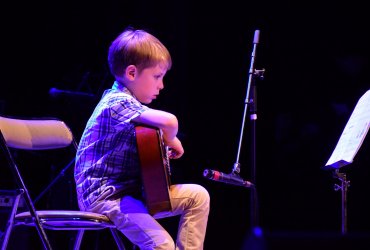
{"points": [[155, 169]]}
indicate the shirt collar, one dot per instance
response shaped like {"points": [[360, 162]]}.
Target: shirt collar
{"points": [[120, 87]]}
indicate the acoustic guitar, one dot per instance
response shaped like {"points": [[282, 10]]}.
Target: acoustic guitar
{"points": [[155, 168]]}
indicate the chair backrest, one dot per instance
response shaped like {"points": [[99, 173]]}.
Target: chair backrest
{"points": [[35, 134]]}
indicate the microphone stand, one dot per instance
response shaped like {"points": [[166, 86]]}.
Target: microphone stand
{"points": [[251, 99]]}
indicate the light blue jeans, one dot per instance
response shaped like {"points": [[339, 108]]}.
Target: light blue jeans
{"points": [[190, 201]]}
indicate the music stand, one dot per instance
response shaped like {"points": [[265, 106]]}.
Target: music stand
{"points": [[347, 147]]}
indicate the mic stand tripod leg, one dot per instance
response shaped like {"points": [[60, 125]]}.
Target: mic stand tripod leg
{"points": [[55, 180]]}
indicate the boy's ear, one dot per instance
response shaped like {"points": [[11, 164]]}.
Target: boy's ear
{"points": [[131, 72]]}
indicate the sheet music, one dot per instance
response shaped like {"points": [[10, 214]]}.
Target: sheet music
{"points": [[353, 134]]}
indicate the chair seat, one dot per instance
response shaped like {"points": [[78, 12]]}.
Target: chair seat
{"points": [[62, 219]]}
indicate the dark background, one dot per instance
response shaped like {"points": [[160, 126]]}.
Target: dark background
{"points": [[316, 58]]}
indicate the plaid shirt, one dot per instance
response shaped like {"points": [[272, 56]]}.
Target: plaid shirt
{"points": [[107, 160]]}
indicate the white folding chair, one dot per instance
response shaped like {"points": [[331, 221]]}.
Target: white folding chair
{"points": [[45, 134]]}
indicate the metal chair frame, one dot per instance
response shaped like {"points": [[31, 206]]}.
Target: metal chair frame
{"points": [[44, 134]]}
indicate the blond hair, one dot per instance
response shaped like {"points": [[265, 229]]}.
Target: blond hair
{"points": [[139, 48]]}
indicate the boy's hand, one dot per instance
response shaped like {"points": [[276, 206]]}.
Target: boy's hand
{"points": [[175, 148]]}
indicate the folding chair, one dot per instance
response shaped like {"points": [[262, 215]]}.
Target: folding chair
{"points": [[44, 134]]}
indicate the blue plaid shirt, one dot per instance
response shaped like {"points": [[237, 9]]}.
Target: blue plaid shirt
{"points": [[107, 161]]}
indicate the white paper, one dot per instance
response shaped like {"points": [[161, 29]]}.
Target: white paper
{"points": [[353, 134]]}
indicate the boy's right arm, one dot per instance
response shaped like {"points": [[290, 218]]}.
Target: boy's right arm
{"points": [[168, 123]]}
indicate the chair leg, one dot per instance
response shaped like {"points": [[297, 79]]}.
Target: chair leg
{"points": [[78, 240], [117, 238], [10, 223], [26, 196]]}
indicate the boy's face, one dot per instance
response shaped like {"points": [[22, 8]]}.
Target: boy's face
{"points": [[148, 83]]}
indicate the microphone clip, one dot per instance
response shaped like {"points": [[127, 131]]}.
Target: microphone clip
{"points": [[259, 73], [236, 168]]}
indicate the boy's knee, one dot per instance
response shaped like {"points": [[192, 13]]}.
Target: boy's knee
{"points": [[203, 196]]}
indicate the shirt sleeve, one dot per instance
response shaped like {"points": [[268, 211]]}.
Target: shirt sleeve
{"points": [[127, 109]]}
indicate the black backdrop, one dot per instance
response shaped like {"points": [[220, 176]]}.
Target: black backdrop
{"points": [[316, 60]]}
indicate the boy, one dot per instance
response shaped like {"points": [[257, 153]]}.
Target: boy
{"points": [[107, 171]]}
